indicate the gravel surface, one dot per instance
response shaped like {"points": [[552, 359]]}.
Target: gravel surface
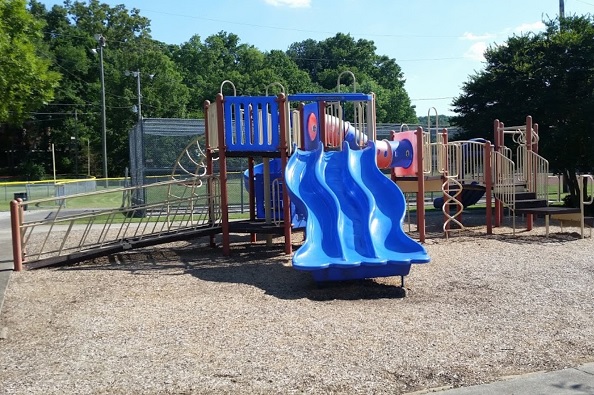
{"points": [[182, 319]]}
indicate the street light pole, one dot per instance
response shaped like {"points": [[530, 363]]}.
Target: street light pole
{"points": [[138, 145], [137, 75], [101, 40]]}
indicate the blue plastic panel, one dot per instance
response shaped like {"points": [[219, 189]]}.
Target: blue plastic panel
{"points": [[245, 129]]}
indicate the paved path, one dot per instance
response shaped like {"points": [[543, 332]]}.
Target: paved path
{"points": [[572, 381], [6, 263]]}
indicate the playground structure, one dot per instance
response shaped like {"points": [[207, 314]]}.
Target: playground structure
{"points": [[335, 154], [510, 174], [196, 203]]}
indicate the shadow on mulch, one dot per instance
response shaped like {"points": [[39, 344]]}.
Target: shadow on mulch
{"points": [[267, 268], [475, 228]]}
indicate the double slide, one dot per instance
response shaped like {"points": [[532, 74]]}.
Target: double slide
{"points": [[354, 216]]}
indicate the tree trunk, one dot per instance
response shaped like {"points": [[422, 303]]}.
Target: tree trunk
{"points": [[572, 187]]}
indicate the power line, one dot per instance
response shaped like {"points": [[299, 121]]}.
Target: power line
{"points": [[434, 98], [61, 113], [294, 29], [585, 2], [70, 104]]}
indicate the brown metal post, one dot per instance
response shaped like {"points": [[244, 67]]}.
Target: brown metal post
{"points": [[488, 187], [420, 186], [284, 149], [15, 224], [223, 175], [209, 167]]}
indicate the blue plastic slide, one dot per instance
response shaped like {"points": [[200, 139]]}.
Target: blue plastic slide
{"points": [[354, 216]]}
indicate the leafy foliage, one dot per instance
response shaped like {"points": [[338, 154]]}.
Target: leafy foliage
{"points": [[171, 80], [324, 61], [547, 75], [26, 82]]}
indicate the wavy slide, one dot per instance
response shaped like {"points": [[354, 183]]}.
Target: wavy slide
{"points": [[354, 216]]}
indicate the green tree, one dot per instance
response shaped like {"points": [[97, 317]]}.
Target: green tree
{"points": [[76, 111], [547, 75], [206, 64], [26, 82], [442, 120], [324, 61]]}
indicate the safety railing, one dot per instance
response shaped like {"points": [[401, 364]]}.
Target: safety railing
{"points": [[504, 186], [472, 162], [212, 126], [539, 178], [61, 234], [431, 154]]}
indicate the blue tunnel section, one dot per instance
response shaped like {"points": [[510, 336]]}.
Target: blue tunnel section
{"points": [[354, 216]]}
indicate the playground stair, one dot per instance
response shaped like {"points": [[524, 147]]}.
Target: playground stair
{"points": [[527, 201]]}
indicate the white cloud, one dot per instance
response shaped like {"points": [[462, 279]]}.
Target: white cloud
{"points": [[289, 3], [530, 27], [474, 37], [476, 51], [523, 28]]}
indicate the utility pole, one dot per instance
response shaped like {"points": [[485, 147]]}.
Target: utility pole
{"points": [[137, 74], [76, 143], [101, 41], [561, 9], [138, 147]]}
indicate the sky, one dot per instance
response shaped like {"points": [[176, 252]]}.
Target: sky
{"points": [[437, 43]]}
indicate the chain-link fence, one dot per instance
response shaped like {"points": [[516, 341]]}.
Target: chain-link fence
{"points": [[238, 196]]}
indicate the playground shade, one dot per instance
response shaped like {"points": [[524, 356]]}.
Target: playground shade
{"points": [[354, 216]]}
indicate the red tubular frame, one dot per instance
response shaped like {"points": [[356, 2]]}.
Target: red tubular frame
{"points": [[284, 160], [223, 171], [209, 155]]}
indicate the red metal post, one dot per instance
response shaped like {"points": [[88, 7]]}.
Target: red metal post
{"points": [[421, 186], [15, 224], [209, 171], [282, 114], [223, 175]]}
